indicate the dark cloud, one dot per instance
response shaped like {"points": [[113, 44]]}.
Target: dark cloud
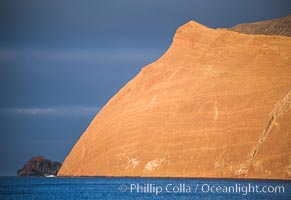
{"points": [[61, 23], [62, 77]]}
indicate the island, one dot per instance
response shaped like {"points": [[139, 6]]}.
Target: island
{"points": [[40, 166]]}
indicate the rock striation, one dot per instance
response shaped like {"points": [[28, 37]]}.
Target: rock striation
{"points": [[39, 166], [216, 104], [280, 26]]}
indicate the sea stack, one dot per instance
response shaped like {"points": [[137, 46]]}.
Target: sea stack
{"points": [[39, 166], [216, 104]]}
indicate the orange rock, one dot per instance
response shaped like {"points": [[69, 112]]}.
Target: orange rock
{"points": [[216, 104]]}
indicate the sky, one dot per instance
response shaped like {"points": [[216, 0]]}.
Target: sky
{"points": [[61, 61]]}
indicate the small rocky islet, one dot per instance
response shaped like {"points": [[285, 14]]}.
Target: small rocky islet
{"points": [[39, 166]]}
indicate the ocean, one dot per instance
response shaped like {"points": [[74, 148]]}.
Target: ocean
{"points": [[140, 188]]}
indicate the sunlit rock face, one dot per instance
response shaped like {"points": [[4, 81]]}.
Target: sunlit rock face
{"points": [[216, 104]]}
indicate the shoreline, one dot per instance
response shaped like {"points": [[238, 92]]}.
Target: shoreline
{"points": [[142, 177]]}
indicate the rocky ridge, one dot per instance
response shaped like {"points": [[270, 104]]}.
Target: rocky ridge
{"points": [[280, 26]]}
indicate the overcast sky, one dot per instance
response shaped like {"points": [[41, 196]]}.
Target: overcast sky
{"points": [[61, 61]]}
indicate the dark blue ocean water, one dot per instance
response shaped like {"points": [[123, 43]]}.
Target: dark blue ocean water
{"points": [[141, 188]]}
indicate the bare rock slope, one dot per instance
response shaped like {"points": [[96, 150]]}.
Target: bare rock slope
{"points": [[216, 104], [280, 26]]}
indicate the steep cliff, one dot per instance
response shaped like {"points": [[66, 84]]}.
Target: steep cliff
{"points": [[216, 104]]}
